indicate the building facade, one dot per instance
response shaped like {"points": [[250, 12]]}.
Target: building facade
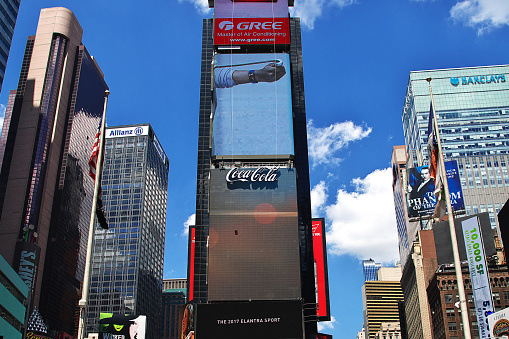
{"points": [[13, 296], [174, 297], [127, 259], [380, 304], [443, 295], [8, 14], [472, 107], [45, 191], [258, 147]]}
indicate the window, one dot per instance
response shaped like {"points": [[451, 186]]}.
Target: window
{"points": [[450, 312], [448, 298], [496, 295], [452, 326]]}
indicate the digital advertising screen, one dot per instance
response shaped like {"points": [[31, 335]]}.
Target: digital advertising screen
{"points": [[252, 106], [250, 9], [252, 31], [191, 255], [122, 326], [253, 235], [250, 320], [442, 236], [321, 270], [421, 187]]}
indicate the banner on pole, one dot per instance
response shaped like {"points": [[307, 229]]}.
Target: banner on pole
{"points": [[478, 274]]}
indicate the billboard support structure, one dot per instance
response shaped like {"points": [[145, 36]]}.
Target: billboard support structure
{"points": [[457, 262]]}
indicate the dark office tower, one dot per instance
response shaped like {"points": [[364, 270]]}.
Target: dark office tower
{"points": [[47, 137], [127, 260], [253, 237], [174, 297], [8, 15]]}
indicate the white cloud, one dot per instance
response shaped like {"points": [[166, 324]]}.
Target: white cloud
{"points": [[191, 221], [323, 143], [318, 199], [201, 5], [484, 15], [309, 10], [363, 223], [323, 325]]}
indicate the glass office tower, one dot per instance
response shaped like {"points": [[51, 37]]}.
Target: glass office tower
{"points": [[127, 261], [472, 106], [48, 133], [8, 14]]}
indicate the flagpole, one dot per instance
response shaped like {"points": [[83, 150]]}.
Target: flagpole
{"points": [[97, 183], [452, 229]]}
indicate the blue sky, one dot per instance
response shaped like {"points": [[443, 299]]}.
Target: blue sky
{"points": [[357, 58]]}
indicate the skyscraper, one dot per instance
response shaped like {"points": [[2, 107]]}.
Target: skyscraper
{"points": [[45, 191], [127, 259], [8, 14], [174, 297], [472, 107], [252, 163], [380, 300]]}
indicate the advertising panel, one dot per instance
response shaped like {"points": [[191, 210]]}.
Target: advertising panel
{"points": [[442, 237], [252, 106], [499, 323], [252, 31], [321, 270], [250, 320], [253, 235], [120, 326], [250, 9], [481, 287], [421, 197], [190, 270], [26, 264]]}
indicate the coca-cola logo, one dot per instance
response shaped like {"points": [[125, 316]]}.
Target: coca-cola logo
{"points": [[260, 174]]}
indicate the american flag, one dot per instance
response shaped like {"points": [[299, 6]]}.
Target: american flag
{"points": [[92, 162], [95, 152]]}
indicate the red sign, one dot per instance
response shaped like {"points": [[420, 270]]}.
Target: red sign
{"points": [[322, 280], [251, 31], [191, 263]]}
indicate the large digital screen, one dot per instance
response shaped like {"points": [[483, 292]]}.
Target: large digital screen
{"points": [[250, 320], [252, 106], [190, 269], [122, 326], [250, 9], [443, 244], [253, 235], [321, 270], [421, 187]]}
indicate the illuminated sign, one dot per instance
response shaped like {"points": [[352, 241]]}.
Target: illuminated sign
{"points": [[191, 249], [126, 132], [480, 79], [250, 9], [252, 31], [267, 174], [321, 270]]}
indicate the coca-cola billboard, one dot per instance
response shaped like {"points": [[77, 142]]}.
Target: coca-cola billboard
{"points": [[260, 174], [253, 244]]}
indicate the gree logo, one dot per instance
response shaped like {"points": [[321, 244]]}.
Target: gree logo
{"points": [[226, 25]]}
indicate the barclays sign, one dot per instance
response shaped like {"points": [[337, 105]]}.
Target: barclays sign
{"points": [[480, 79]]}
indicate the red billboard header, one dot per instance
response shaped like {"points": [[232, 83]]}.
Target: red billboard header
{"points": [[322, 279], [251, 31]]}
